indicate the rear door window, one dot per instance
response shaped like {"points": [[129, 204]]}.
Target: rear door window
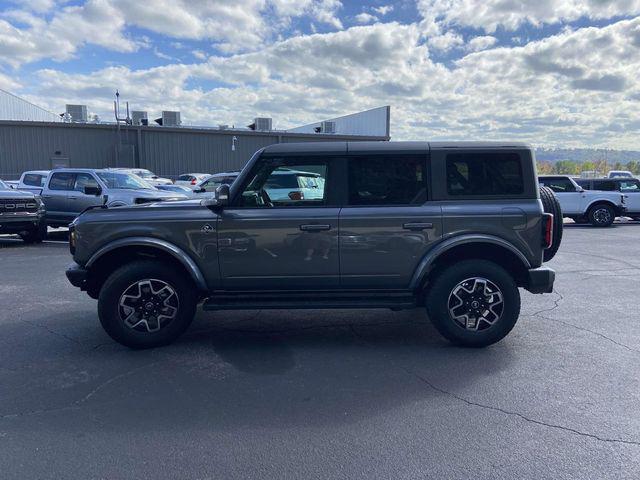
{"points": [[558, 185], [33, 180], [606, 185], [387, 180], [480, 174], [62, 181]]}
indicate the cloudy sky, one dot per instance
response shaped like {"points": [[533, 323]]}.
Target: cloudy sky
{"points": [[552, 72]]}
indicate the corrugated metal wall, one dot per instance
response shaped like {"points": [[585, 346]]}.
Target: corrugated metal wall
{"points": [[166, 151], [16, 108]]}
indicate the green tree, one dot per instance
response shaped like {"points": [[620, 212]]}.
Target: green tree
{"points": [[566, 167]]}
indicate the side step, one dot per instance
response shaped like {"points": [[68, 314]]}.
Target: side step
{"points": [[309, 300]]}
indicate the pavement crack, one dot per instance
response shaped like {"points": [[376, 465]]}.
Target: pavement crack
{"points": [[603, 257], [556, 304], [53, 332], [110, 380], [577, 327], [498, 409], [517, 414]]}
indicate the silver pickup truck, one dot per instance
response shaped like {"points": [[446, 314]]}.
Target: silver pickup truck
{"points": [[68, 192]]}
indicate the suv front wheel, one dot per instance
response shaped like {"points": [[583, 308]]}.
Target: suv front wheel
{"points": [[474, 303], [146, 304]]}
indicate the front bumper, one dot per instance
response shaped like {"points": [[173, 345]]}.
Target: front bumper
{"points": [[77, 276], [19, 222], [540, 280]]}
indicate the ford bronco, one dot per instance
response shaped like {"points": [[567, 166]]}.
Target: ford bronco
{"points": [[455, 228]]}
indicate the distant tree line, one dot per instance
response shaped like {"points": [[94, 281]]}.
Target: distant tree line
{"points": [[571, 167]]}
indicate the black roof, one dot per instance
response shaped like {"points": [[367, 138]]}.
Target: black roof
{"points": [[382, 146]]}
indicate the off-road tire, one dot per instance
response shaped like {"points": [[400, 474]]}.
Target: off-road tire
{"points": [[36, 235], [551, 205], [109, 309], [601, 215], [442, 287]]}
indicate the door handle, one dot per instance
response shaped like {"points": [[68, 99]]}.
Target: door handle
{"points": [[47, 196], [73, 198], [314, 228], [417, 225]]}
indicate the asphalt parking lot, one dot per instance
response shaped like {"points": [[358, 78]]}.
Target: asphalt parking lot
{"points": [[326, 394]]}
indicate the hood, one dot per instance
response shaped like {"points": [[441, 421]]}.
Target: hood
{"points": [[177, 210], [159, 194], [16, 194]]}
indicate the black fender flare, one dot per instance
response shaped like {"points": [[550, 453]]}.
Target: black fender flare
{"points": [[432, 255], [167, 247]]}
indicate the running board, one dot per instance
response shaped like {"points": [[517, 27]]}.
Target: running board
{"points": [[308, 300]]}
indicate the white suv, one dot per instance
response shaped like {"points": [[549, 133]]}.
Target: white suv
{"points": [[596, 207]]}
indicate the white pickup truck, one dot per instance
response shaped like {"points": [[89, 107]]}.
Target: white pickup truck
{"points": [[599, 208]]}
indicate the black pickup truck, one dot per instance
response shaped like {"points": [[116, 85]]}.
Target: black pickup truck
{"points": [[22, 213]]}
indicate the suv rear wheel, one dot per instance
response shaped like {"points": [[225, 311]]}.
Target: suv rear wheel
{"points": [[601, 215], [146, 304], [551, 205], [474, 303]]}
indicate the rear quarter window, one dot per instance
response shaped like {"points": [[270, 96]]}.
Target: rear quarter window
{"points": [[484, 174], [33, 180]]}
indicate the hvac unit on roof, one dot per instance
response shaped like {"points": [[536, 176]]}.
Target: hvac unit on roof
{"points": [[169, 119], [262, 124], [139, 117], [78, 113], [327, 127]]}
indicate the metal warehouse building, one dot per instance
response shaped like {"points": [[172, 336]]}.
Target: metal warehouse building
{"points": [[43, 143]]}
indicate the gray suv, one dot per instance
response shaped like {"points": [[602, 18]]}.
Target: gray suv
{"points": [[68, 192], [455, 228]]}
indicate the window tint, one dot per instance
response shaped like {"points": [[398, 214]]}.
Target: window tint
{"points": [[629, 186], [83, 180], [607, 186], [286, 186], [33, 179], [213, 183], [62, 181], [586, 184], [558, 185], [484, 174], [387, 180], [186, 178]]}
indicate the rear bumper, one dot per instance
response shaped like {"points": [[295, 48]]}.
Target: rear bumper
{"points": [[77, 276], [540, 280]]}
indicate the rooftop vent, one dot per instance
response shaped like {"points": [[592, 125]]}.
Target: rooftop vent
{"points": [[169, 119], [261, 124], [139, 117], [78, 113]]}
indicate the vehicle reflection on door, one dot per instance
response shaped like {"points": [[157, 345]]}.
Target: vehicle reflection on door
{"points": [[280, 248]]}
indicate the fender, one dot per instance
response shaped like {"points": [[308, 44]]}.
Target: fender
{"points": [[433, 254], [163, 245]]}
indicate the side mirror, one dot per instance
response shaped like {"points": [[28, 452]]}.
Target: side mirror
{"points": [[199, 190], [92, 190], [222, 194], [221, 198]]}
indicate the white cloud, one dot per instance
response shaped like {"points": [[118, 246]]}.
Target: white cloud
{"points": [[365, 18], [510, 14], [383, 9], [445, 42], [199, 54], [481, 43]]}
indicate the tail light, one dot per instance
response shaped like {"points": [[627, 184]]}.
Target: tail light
{"points": [[297, 195], [548, 230], [193, 181]]}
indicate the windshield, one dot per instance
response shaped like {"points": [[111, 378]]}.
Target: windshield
{"points": [[125, 181], [144, 173]]}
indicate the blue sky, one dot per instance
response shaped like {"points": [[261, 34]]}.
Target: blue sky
{"points": [[552, 72]]}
